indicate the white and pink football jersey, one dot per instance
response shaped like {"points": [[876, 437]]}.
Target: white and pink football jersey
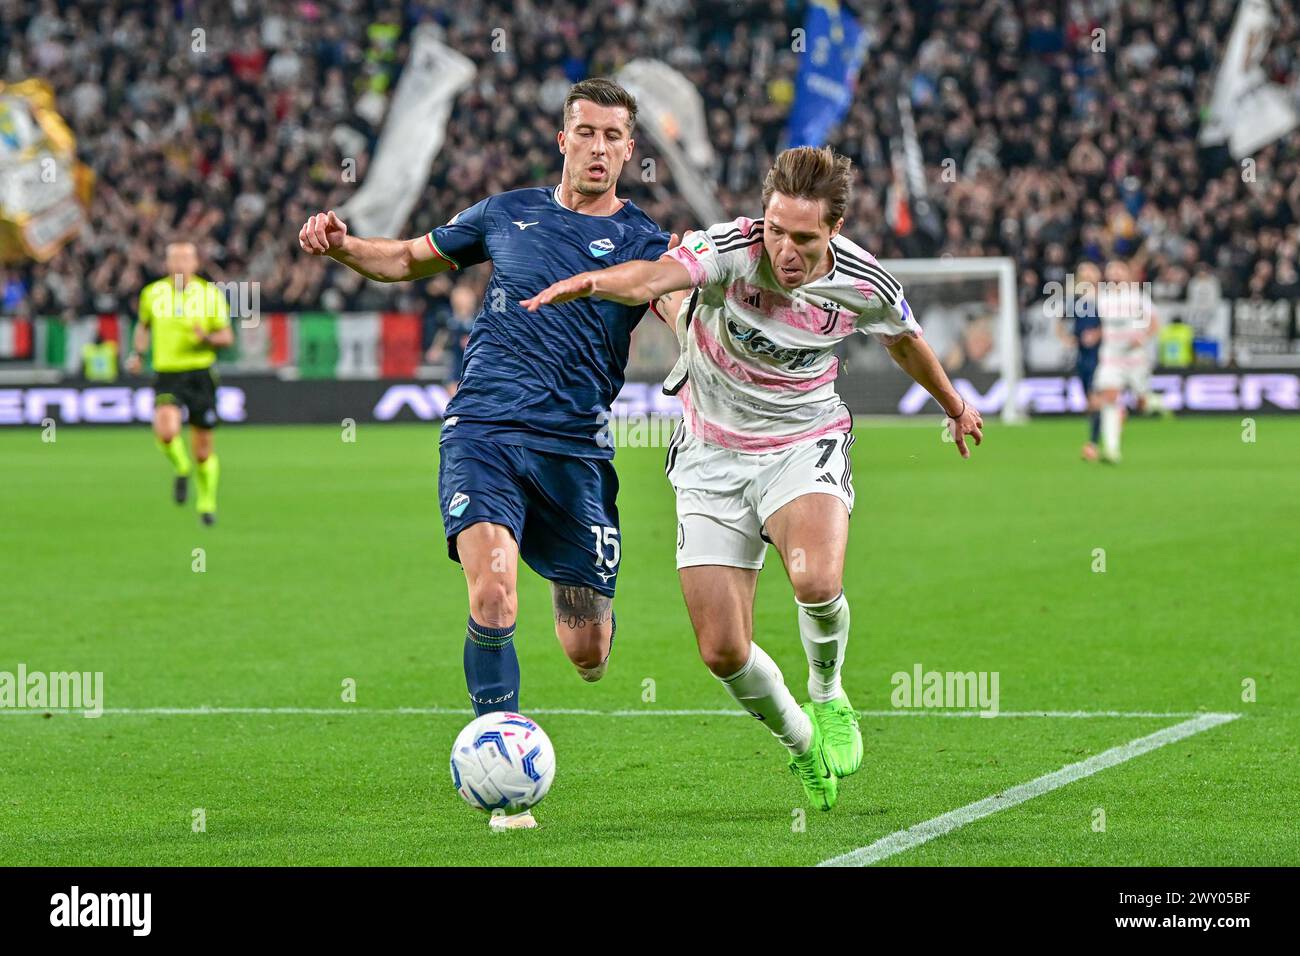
{"points": [[758, 365], [1126, 314]]}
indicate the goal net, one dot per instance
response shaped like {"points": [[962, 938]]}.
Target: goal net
{"points": [[968, 312]]}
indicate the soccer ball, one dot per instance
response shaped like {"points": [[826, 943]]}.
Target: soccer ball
{"points": [[502, 761]]}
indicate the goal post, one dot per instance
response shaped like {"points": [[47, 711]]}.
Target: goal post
{"points": [[953, 295]]}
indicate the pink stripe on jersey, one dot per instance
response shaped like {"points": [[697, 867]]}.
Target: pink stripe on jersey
{"points": [[865, 288], [713, 349], [693, 266], [753, 444], [887, 339], [807, 317], [686, 257]]}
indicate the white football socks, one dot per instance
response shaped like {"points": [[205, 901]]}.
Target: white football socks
{"points": [[824, 630], [760, 689], [1110, 426]]}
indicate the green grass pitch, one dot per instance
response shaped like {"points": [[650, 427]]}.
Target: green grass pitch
{"points": [[328, 564]]}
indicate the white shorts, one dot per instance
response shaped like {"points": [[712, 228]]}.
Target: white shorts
{"points": [[1136, 378], [725, 497]]}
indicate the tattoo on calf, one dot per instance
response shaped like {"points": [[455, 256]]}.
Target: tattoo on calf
{"points": [[577, 607]]}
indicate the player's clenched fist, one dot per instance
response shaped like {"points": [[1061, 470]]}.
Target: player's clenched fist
{"points": [[321, 233]]}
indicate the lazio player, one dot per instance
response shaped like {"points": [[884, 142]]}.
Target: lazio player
{"points": [[188, 320], [1087, 338], [525, 467]]}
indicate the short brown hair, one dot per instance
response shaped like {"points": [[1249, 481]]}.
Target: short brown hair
{"points": [[602, 92], [809, 172]]}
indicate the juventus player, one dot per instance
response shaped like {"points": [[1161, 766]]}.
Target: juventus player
{"points": [[763, 451], [1128, 323]]}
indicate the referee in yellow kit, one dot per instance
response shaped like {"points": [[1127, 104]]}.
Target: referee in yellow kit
{"points": [[189, 320]]}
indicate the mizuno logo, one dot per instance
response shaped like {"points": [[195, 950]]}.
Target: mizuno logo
{"points": [[524, 225], [606, 575]]}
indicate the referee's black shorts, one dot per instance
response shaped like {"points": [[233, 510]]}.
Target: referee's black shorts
{"points": [[194, 390]]}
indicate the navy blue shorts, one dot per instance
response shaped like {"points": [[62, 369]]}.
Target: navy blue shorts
{"points": [[561, 509], [1085, 371]]}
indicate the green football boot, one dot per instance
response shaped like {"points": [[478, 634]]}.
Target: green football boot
{"points": [[813, 770], [843, 739]]}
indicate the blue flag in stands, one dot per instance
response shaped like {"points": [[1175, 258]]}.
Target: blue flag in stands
{"points": [[828, 72]]}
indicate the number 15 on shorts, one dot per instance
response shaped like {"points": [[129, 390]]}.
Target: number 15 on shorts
{"points": [[607, 549]]}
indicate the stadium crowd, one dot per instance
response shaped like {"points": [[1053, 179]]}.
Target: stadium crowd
{"points": [[227, 124]]}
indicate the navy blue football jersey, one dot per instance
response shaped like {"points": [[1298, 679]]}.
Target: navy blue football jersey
{"points": [[543, 380], [1085, 319]]}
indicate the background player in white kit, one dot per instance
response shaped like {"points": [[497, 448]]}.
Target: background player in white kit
{"points": [[1128, 325], [763, 452]]}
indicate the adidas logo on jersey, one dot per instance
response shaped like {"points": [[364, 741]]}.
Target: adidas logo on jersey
{"points": [[826, 477]]}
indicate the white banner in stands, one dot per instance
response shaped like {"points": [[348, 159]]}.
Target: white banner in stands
{"points": [[671, 110], [1246, 111], [413, 134]]}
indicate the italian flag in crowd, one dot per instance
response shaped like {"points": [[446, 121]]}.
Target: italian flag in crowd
{"points": [[16, 339], [317, 345]]}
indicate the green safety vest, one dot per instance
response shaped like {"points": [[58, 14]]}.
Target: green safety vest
{"points": [[1176, 345], [99, 361]]}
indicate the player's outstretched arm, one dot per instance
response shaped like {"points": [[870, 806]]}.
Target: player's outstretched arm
{"points": [[915, 357], [631, 283], [384, 260]]}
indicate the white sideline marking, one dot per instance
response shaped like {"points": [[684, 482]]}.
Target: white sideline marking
{"points": [[576, 712], [914, 836]]}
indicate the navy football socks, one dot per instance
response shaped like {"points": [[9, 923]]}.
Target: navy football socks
{"points": [[491, 668]]}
